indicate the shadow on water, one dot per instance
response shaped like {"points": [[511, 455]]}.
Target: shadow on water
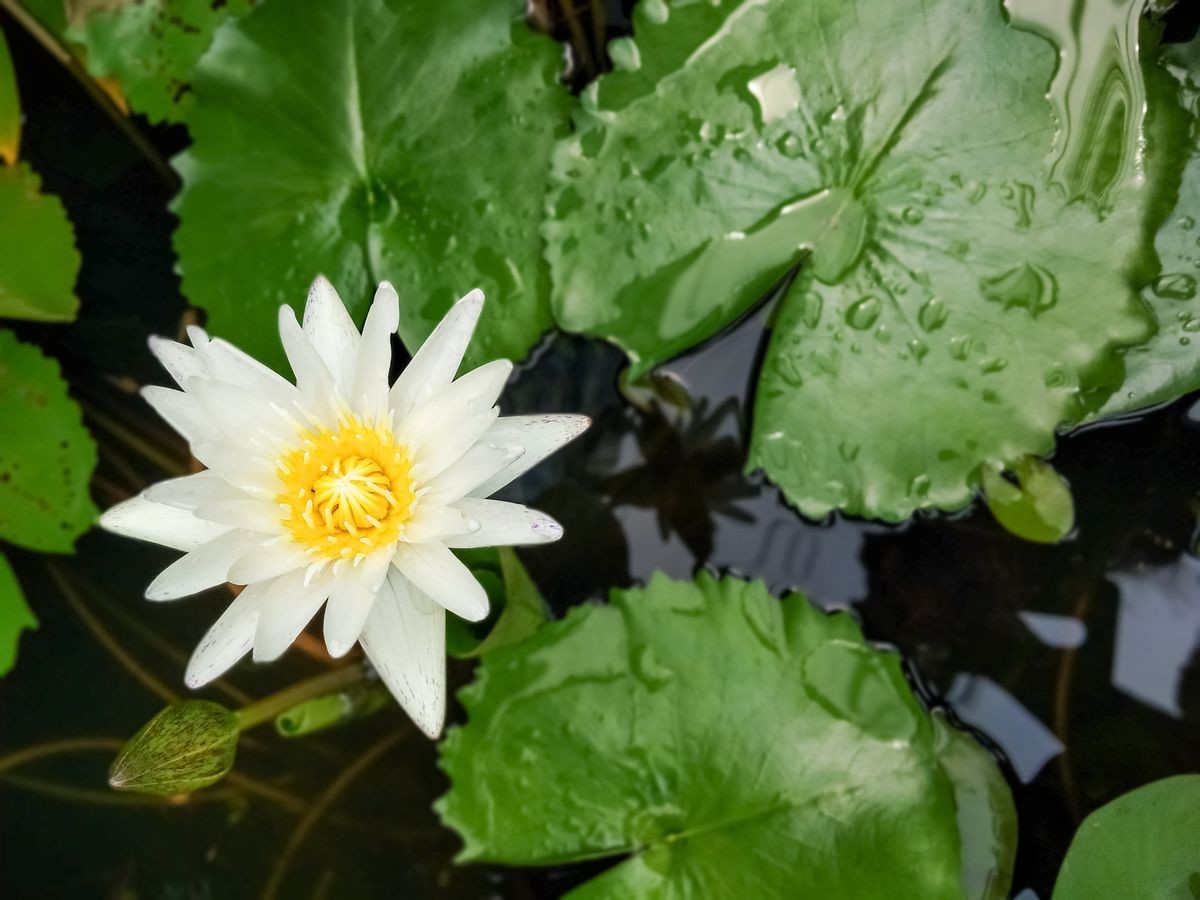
{"points": [[1080, 663]]}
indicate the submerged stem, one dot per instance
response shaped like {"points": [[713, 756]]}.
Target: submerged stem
{"points": [[18, 758], [321, 805], [102, 634]]}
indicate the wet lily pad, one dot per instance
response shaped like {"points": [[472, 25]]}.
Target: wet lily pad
{"points": [[151, 48], [958, 299], [46, 457], [15, 616], [1168, 365], [370, 141], [1143, 844], [717, 742]]}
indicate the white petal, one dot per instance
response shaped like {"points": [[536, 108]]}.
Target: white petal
{"points": [[441, 416], [181, 412], [189, 491], [312, 377], [477, 465], [436, 362], [269, 559], [370, 394], [227, 363], [198, 336], [440, 574], [249, 513], [242, 468], [539, 435], [504, 525], [228, 640], [245, 418], [407, 647], [180, 360], [432, 521], [201, 569], [331, 331], [351, 596], [145, 520], [289, 605]]}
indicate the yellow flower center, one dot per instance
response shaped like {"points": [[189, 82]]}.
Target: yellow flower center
{"points": [[346, 492]]}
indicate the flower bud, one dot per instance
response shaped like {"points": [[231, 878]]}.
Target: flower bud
{"points": [[187, 746]]}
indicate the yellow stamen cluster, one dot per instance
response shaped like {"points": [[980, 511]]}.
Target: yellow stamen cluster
{"points": [[346, 492]]}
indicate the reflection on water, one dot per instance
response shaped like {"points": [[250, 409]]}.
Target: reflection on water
{"points": [[1062, 632], [981, 703], [1158, 631]]}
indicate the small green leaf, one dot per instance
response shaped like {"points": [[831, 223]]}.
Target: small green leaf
{"points": [[10, 108], [1038, 507], [1144, 844], [714, 741], [151, 47], [15, 616], [46, 455], [333, 710], [37, 243], [187, 746], [517, 607], [372, 140]]}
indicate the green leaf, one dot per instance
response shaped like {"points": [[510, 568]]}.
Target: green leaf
{"points": [[716, 742], [372, 140], [953, 306], [37, 280], [151, 47], [185, 747], [15, 616], [10, 108], [517, 609], [46, 455], [1037, 507], [1141, 845], [1168, 366]]}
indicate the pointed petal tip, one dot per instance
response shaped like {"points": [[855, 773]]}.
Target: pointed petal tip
{"points": [[197, 335], [432, 727], [546, 528], [475, 296]]}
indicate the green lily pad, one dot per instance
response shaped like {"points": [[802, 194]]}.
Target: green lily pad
{"points": [[37, 280], [372, 140], [151, 47], [1168, 366], [15, 616], [957, 299], [1145, 844], [714, 741], [46, 455]]}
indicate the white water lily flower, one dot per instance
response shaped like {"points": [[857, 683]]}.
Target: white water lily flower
{"points": [[341, 488]]}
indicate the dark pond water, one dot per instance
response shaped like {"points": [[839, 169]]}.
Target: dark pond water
{"points": [[1079, 664]]}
